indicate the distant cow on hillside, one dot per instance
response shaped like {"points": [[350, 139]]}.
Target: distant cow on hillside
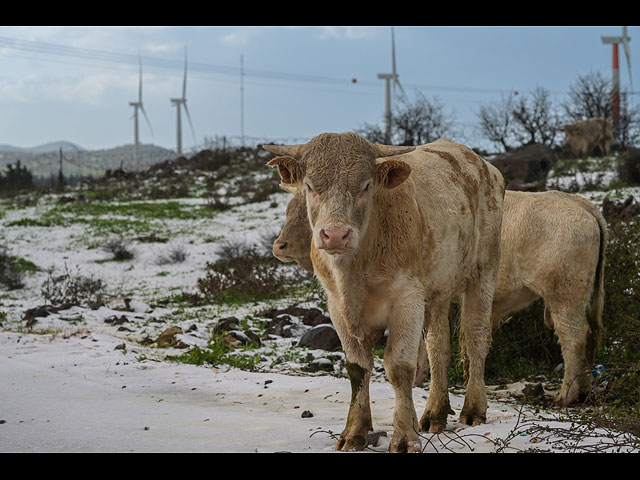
{"points": [[584, 136]]}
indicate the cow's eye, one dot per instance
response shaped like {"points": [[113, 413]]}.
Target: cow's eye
{"points": [[366, 187]]}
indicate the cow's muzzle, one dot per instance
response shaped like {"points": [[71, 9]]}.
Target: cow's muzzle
{"points": [[335, 240], [281, 250]]}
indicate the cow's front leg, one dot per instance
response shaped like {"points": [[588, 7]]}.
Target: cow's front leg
{"points": [[359, 357], [400, 357]]}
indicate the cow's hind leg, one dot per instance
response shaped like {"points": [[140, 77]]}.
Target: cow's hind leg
{"points": [[570, 324], [475, 340], [434, 418]]}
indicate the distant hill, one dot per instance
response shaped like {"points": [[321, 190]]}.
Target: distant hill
{"points": [[46, 147], [80, 162]]}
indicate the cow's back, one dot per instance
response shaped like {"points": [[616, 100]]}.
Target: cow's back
{"points": [[549, 241], [459, 198]]}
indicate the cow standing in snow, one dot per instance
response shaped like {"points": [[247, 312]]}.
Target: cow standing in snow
{"points": [[393, 243]]}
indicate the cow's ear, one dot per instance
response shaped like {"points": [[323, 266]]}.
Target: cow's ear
{"points": [[289, 169], [289, 188], [392, 173]]}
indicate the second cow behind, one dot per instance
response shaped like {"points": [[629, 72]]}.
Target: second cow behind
{"points": [[552, 247]]}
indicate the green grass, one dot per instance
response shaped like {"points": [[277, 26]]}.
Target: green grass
{"points": [[138, 210], [217, 353]]}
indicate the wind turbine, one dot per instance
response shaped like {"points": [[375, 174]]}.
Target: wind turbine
{"points": [[390, 77], [615, 76], [183, 101], [138, 105]]}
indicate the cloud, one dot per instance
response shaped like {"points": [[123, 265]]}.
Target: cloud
{"points": [[350, 33], [238, 37]]}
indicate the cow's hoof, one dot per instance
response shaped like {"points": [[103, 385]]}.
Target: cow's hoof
{"points": [[403, 443], [435, 422], [472, 420], [350, 443]]}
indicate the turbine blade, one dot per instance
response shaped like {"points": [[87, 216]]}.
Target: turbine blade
{"points": [[393, 54], [140, 82], [147, 119], [190, 124], [404, 94], [184, 81], [627, 53]]}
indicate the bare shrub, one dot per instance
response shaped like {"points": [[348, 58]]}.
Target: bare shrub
{"points": [[119, 248], [174, 254], [11, 276], [73, 289], [241, 274]]}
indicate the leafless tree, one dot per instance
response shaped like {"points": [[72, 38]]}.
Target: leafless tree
{"points": [[415, 123], [589, 97], [535, 119], [496, 122], [422, 121]]}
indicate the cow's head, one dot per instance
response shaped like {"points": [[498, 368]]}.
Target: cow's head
{"points": [[294, 242], [339, 177]]}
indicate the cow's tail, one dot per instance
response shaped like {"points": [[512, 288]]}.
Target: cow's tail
{"points": [[596, 306]]}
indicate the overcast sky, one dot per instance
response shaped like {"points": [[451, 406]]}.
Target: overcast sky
{"points": [[75, 83]]}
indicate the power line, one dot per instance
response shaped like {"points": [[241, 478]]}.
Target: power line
{"points": [[102, 56]]}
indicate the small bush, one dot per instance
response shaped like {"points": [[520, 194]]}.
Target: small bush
{"points": [[241, 274], [119, 248], [12, 269], [68, 289], [174, 254], [629, 168]]}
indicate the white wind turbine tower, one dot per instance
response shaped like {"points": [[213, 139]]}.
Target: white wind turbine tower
{"points": [[390, 77], [138, 106], [183, 101]]}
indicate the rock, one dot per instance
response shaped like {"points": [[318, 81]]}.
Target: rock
{"points": [[115, 320], [526, 168], [236, 338], [253, 337], [533, 391], [322, 337], [314, 317], [374, 437], [307, 414], [280, 326], [320, 364], [226, 324], [168, 338]]}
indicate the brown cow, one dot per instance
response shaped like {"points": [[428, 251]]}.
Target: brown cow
{"points": [[394, 243], [585, 135], [553, 247]]}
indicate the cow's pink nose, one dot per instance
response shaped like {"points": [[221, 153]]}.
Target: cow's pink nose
{"points": [[335, 238], [279, 246]]}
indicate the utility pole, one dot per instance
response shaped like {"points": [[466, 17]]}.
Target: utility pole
{"points": [[60, 175], [242, 100]]}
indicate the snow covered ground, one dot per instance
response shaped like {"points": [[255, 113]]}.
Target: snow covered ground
{"points": [[80, 394], [74, 383]]}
